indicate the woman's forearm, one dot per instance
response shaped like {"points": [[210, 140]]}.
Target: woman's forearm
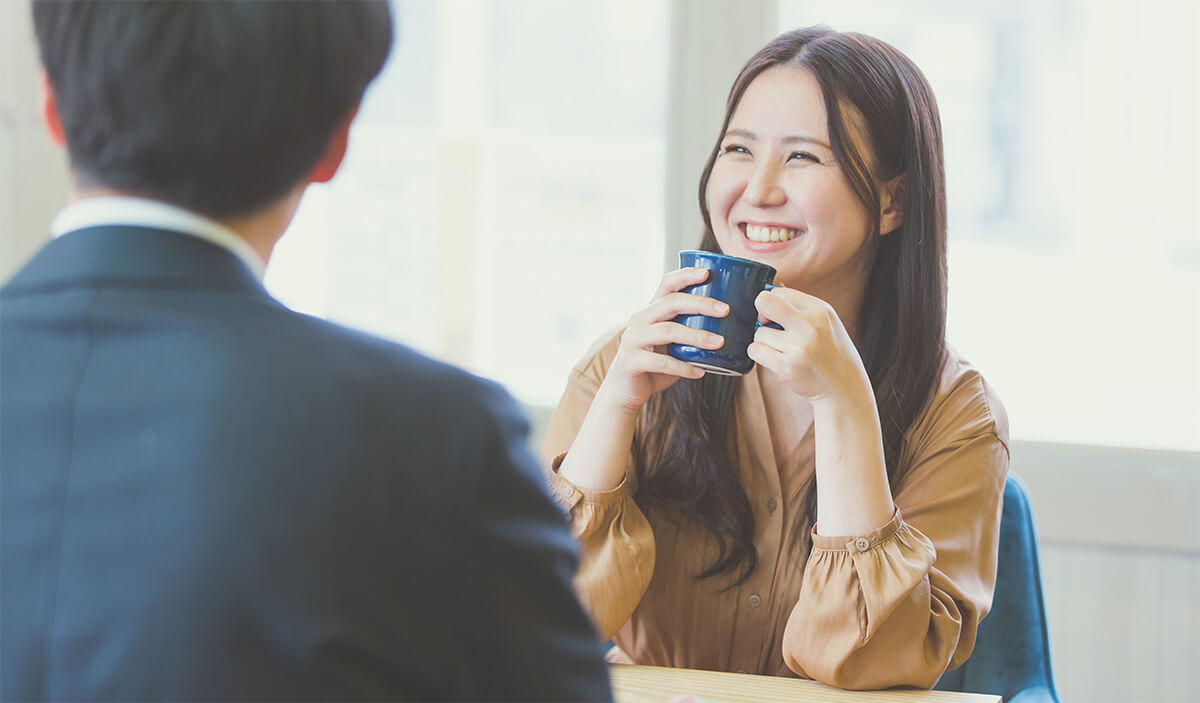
{"points": [[597, 458], [853, 494]]}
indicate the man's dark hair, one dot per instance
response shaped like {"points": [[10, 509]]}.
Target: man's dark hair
{"points": [[217, 107]]}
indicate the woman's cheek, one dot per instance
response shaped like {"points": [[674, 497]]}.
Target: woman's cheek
{"points": [[722, 192]]}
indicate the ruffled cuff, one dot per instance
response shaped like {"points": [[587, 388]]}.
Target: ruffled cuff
{"points": [[858, 543], [617, 549], [569, 495], [884, 565]]}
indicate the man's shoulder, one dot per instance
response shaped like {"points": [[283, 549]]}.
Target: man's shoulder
{"points": [[338, 349]]}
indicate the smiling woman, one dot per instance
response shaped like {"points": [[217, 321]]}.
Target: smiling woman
{"points": [[780, 196], [833, 514]]}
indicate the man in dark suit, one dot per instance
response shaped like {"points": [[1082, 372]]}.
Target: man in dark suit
{"points": [[205, 495]]}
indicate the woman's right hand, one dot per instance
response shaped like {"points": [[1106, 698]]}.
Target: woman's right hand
{"points": [[642, 366]]}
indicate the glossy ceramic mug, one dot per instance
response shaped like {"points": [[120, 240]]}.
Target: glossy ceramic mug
{"points": [[736, 282]]}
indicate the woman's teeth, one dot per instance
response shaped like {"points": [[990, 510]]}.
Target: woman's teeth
{"points": [[769, 234]]}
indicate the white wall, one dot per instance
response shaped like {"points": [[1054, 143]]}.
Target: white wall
{"points": [[710, 39], [1120, 552]]}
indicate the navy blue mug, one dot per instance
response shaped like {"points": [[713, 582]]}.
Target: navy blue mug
{"points": [[736, 282]]}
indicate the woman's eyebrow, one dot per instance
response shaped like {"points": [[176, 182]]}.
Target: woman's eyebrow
{"points": [[792, 139], [801, 139]]}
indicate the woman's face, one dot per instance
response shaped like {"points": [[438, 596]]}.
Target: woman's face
{"points": [[776, 195]]}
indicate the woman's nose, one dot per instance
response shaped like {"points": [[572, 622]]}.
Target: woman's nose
{"points": [[764, 188]]}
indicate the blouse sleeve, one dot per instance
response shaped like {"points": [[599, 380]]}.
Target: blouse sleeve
{"points": [[615, 540], [900, 605]]}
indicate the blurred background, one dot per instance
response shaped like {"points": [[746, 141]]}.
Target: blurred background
{"points": [[524, 171]]}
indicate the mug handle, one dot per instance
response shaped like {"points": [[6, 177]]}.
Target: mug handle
{"points": [[773, 325]]}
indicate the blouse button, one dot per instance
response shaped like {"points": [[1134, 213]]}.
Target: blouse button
{"points": [[771, 505], [861, 544], [755, 600]]}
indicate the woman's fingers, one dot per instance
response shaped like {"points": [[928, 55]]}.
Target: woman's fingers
{"points": [[673, 304], [776, 339], [787, 307], [669, 301], [772, 307], [662, 333], [646, 361], [766, 355], [680, 279]]}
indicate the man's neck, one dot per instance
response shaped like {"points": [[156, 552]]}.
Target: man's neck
{"points": [[261, 229]]}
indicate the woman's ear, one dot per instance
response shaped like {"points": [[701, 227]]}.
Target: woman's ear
{"points": [[50, 114], [891, 206]]}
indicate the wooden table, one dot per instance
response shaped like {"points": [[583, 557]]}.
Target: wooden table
{"points": [[657, 684]]}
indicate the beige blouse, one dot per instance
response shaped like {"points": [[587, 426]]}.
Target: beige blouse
{"points": [[895, 606]]}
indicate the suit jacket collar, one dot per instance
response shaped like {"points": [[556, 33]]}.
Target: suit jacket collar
{"points": [[131, 211], [121, 254]]}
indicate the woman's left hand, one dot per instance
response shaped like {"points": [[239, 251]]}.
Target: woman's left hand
{"points": [[813, 353]]}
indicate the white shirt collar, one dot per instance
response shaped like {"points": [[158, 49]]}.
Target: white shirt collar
{"points": [[141, 212]]}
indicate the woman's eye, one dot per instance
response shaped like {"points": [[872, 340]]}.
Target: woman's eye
{"points": [[734, 149], [804, 156]]}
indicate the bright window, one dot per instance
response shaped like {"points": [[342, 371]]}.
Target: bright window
{"points": [[1071, 151], [502, 202]]}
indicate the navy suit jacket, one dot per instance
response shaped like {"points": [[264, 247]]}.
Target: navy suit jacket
{"points": [[205, 495]]}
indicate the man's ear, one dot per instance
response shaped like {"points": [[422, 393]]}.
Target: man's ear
{"points": [[891, 207], [335, 152], [50, 114]]}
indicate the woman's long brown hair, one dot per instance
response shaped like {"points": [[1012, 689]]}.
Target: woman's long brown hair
{"points": [[682, 447]]}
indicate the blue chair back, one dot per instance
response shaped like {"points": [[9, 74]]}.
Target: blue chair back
{"points": [[1012, 650]]}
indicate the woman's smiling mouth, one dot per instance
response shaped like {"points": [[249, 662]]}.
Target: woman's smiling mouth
{"points": [[761, 233]]}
